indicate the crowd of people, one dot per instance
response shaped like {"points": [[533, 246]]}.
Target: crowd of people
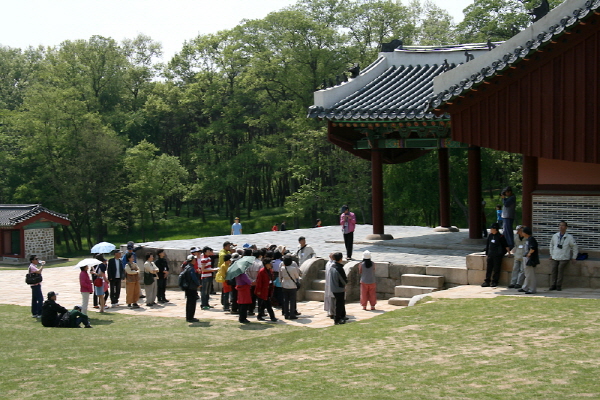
{"points": [[255, 282], [524, 248]]}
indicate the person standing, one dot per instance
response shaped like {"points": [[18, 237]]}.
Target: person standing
{"points": [[562, 249], [264, 291], [226, 290], [531, 258], [509, 203], [318, 224], [368, 285], [206, 277], [329, 299], [518, 272], [236, 227], [132, 281], [116, 274], [495, 249], [304, 252], [338, 281], [289, 275], [252, 272], [150, 273], [37, 298], [244, 298], [348, 223], [191, 291], [282, 226], [163, 274], [100, 291], [85, 287]]}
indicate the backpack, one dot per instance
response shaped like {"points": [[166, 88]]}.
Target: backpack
{"points": [[184, 279]]}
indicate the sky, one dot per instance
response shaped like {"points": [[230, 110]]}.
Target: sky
{"points": [[49, 22]]}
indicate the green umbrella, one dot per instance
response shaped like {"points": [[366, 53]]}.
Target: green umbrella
{"points": [[239, 267]]}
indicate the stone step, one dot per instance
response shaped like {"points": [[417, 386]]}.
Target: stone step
{"points": [[321, 274], [408, 269], [399, 301], [318, 284], [314, 295], [435, 281], [410, 291]]}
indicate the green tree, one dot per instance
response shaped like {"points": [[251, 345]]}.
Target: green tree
{"points": [[153, 179], [496, 20]]}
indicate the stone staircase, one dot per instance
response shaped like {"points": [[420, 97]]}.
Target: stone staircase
{"points": [[315, 291], [413, 285]]}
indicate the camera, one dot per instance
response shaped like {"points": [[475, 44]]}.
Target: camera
{"points": [[559, 246]]}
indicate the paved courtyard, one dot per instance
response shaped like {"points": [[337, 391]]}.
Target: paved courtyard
{"points": [[411, 246]]}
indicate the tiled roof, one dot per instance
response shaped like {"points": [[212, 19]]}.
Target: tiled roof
{"points": [[13, 214], [397, 86], [559, 20], [401, 92]]}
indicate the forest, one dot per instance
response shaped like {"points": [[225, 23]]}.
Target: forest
{"points": [[121, 140]]}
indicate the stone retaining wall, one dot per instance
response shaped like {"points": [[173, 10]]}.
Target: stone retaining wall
{"points": [[40, 242], [581, 274]]}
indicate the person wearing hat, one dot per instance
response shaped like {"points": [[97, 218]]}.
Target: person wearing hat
{"points": [[348, 223], [236, 227], [52, 311], [509, 203], [368, 286], [518, 272], [495, 249]]}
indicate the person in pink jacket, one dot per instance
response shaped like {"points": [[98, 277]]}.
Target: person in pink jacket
{"points": [[348, 223], [86, 288]]}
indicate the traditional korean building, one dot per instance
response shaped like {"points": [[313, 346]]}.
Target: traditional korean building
{"points": [[27, 229], [537, 94], [382, 115]]}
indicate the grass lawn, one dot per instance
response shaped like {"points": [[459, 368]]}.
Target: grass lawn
{"points": [[502, 348]]}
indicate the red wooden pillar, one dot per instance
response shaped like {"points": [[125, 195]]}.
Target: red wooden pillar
{"points": [[377, 196], [530, 177], [444, 171], [474, 158]]}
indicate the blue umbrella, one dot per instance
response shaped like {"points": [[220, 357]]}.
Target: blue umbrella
{"points": [[103, 247]]}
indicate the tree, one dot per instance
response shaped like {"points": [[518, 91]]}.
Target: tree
{"points": [[154, 178], [496, 20]]}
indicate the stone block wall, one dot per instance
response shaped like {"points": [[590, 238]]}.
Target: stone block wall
{"points": [[581, 274], [582, 213], [40, 242]]}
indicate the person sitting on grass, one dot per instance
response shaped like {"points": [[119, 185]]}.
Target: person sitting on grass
{"points": [[56, 316]]}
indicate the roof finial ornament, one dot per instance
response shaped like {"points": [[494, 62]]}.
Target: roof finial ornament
{"points": [[490, 45], [446, 65], [354, 71], [469, 56], [391, 46], [540, 11]]}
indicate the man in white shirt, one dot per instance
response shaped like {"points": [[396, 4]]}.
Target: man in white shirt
{"points": [[562, 249], [304, 251]]}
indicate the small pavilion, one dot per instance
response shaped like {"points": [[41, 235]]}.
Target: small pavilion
{"points": [[27, 229], [382, 115], [537, 94]]}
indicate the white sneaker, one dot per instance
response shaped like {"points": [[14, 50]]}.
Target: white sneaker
{"points": [[106, 307]]}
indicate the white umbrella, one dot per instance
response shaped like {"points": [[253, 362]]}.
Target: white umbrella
{"points": [[90, 262], [103, 247]]}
